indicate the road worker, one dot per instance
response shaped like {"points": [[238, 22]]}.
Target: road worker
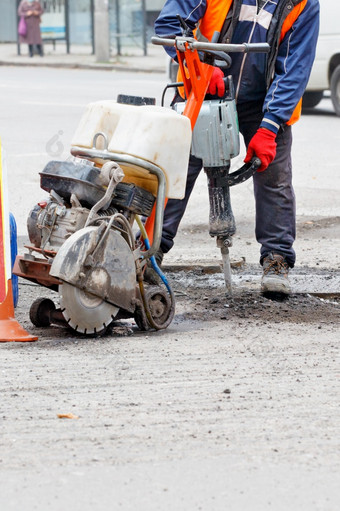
{"points": [[268, 92]]}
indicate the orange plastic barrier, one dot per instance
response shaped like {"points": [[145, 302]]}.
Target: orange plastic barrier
{"points": [[10, 329]]}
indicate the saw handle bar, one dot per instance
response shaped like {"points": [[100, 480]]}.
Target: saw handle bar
{"points": [[180, 43], [244, 173]]}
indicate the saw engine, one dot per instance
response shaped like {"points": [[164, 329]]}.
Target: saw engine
{"points": [[83, 247]]}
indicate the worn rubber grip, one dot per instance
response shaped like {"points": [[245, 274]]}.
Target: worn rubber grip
{"points": [[244, 173]]}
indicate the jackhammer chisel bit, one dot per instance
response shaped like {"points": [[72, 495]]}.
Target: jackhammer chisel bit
{"points": [[221, 217]]}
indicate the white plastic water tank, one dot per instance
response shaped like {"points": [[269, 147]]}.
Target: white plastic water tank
{"points": [[156, 134]]}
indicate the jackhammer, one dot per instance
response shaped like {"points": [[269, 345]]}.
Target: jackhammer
{"points": [[215, 136]]}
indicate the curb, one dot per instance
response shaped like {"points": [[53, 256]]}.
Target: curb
{"points": [[204, 269], [94, 67]]}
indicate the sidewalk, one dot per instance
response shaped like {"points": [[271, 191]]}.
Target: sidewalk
{"points": [[81, 58]]}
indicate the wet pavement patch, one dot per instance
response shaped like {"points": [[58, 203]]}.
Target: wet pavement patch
{"points": [[203, 297]]}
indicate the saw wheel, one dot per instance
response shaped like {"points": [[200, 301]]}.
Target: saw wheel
{"points": [[85, 312], [161, 307]]}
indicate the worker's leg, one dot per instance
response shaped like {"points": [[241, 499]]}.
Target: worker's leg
{"points": [[175, 208], [274, 194], [275, 202]]}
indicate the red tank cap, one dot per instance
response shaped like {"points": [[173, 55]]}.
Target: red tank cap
{"points": [[42, 204]]}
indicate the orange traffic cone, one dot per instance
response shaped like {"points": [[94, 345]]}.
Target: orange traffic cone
{"points": [[10, 330]]}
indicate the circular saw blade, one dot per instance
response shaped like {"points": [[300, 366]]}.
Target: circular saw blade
{"points": [[84, 312]]}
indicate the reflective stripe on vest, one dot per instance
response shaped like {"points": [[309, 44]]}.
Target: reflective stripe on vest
{"points": [[249, 13]]}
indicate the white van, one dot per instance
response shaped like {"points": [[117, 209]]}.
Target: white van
{"points": [[326, 69]]}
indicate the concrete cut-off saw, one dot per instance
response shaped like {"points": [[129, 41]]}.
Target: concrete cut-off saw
{"points": [[94, 236]]}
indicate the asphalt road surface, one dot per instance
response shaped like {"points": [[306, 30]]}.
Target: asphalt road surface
{"points": [[235, 405]]}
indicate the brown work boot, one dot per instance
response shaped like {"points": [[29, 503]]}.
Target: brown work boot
{"points": [[275, 275]]}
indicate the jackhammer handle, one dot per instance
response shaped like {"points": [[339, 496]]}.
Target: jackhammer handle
{"points": [[232, 48], [162, 41], [244, 173]]}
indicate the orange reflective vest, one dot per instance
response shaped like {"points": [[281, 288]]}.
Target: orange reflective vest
{"points": [[215, 15]]}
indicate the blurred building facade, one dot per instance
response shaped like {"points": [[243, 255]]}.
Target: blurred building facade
{"points": [[130, 21]]}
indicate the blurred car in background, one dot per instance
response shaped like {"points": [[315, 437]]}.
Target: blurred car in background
{"points": [[326, 69]]}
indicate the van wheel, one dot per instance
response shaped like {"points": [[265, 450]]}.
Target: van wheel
{"points": [[335, 89], [311, 98]]}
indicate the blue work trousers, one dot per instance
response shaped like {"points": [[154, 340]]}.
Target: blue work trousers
{"points": [[273, 190]]}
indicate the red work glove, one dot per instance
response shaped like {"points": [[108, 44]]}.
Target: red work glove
{"points": [[263, 146], [217, 85]]}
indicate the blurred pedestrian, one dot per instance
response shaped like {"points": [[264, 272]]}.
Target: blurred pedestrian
{"points": [[31, 10]]}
